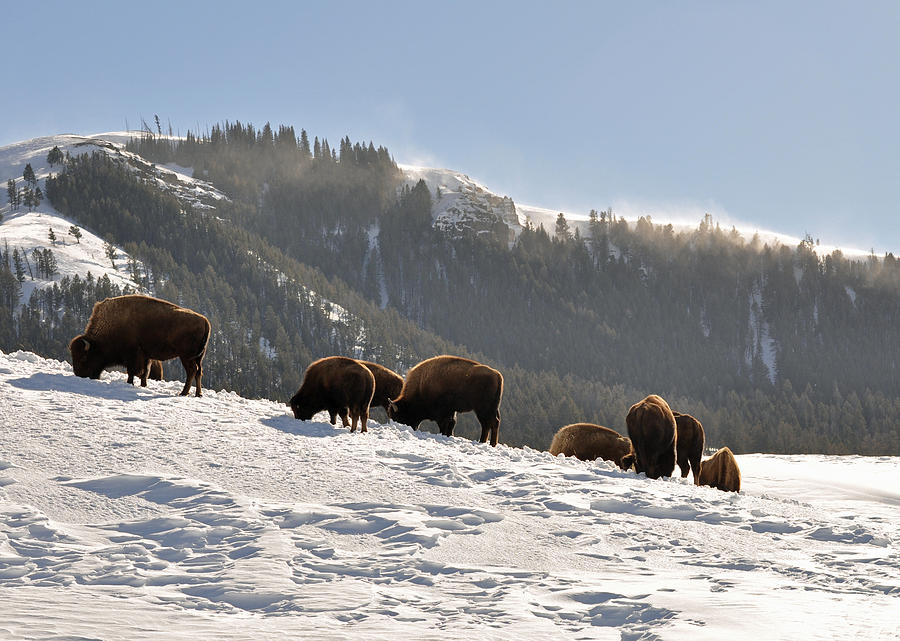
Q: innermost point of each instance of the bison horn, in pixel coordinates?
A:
(87, 345)
(393, 406)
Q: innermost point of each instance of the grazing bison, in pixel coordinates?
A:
(439, 387)
(689, 449)
(721, 471)
(589, 442)
(131, 330)
(338, 384)
(388, 384)
(652, 429)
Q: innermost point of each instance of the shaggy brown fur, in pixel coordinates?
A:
(689, 450)
(721, 471)
(589, 442)
(131, 330)
(651, 427)
(338, 384)
(437, 388)
(388, 384)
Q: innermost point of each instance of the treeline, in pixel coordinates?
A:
(774, 348)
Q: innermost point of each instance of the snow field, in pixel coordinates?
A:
(126, 512)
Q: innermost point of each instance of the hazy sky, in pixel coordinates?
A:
(779, 114)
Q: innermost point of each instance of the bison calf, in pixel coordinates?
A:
(339, 385)
(132, 330)
(437, 388)
(589, 442)
(721, 471)
(652, 429)
(388, 384)
(689, 449)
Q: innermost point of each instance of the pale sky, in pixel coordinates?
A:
(782, 115)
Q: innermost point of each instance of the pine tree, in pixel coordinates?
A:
(12, 194)
(563, 233)
(52, 236)
(304, 144)
(75, 233)
(29, 176)
(55, 157)
(18, 267)
(109, 251)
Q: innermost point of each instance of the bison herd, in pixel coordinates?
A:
(138, 332)
(658, 438)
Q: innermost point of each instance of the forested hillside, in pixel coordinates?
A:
(321, 251)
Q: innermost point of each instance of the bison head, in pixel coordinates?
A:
(662, 465)
(302, 408)
(86, 362)
(400, 412)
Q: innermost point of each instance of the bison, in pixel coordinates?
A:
(653, 433)
(588, 442)
(721, 471)
(689, 449)
(339, 385)
(132, 330)
(388, 384)
(439, 387)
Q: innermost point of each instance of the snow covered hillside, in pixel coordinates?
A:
(28, 229)
(130, 513)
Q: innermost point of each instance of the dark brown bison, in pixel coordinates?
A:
(131, 330)
(721, 471)
(652, 429)
(339, 385)
(437, 388)
(388, 384)
(691, 439)
(589, 442)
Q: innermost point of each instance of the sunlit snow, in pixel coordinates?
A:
(132, 513)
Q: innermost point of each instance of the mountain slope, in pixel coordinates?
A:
(296, 254)
(128, 512)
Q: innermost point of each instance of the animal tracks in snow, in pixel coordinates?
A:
(225, 517)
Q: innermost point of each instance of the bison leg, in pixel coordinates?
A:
(333, 416)
(138, 367)
(343, 413)
(447, 424)
(695, 468)
(364, 419)
(199, 374)
(360, 417)
(685, 467)
(490, 425)
(190, 369)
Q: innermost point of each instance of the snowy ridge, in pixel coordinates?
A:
(128, 512)
(462, 205)
(467, 205)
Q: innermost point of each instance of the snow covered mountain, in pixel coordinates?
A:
(131, 513)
